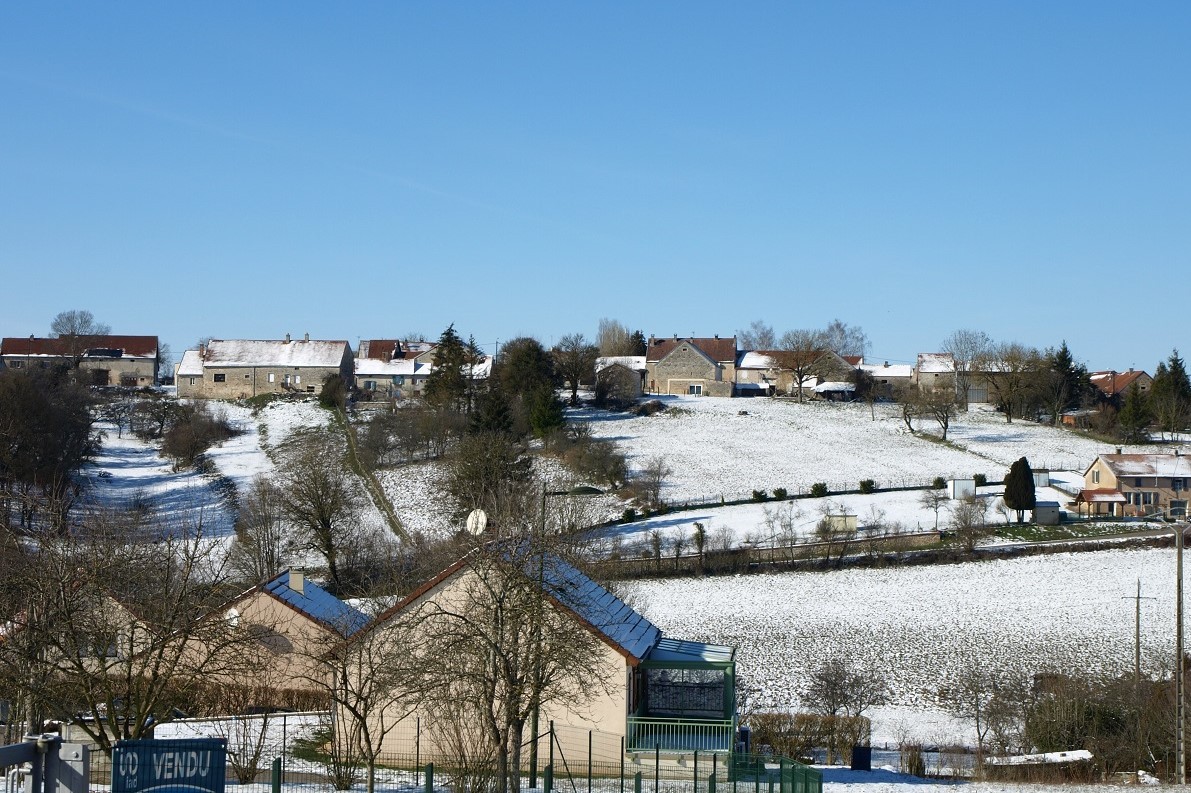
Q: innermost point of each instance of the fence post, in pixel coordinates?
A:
(547, 779)
(622, 764)
(33, 783)
(657, 767)
(696, 761)
(428, 781)
(711, 783)
(589, 761)
(276, 776)
(637, 782)
(418, 742)
(67, 768)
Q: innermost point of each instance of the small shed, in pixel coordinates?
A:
(1047, 513)
(841, 522)
(1041, 478)
(959, 489)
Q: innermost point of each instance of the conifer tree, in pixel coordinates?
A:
(446, 385)
(1170, 395)
(1134, 419)
(1019, 488)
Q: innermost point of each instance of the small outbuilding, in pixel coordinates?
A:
(1047, 513)
(959, 489)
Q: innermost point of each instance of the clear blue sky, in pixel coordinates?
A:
(241, 170)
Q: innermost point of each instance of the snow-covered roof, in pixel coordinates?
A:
(191, 364)
(935, 363)
(755, 359)
(317, 603)
(481, 370)
(1177, 465)
(613, 619)
(1101, 496)
(104, 346)
(823, 388)
(1044, 758)
(634, 362)
(267, 352)
(888, 369)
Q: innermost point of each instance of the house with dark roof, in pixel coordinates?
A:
(1136, 485)
(693, 366)
(129, 361)
(655, 692)
(243, 368)
(295, 621)
(1112, 384)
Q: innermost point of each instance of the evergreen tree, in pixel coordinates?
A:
(491, 414)
(640, 345)
(1019, 488)
(447, 383)
(1170, 395)
(1134, 418)
(545, 412)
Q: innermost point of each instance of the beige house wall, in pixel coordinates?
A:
(141, 370)
(243, 382)
(1161, 491)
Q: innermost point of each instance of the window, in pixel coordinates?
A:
(247, 377)
(192, 381)
(369, 385)
(309, 389)
(398, 379)
(1176, 485)
(221, 378)
(297, 378)
(17, 364)
(1095, 477)
(1178, 509)
(272, 377)
(695, 389)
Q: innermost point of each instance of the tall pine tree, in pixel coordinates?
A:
(1134, 418)
(1019, 488)
(447, 383)
(1170, 395)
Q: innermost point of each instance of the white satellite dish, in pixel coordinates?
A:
(477, 522)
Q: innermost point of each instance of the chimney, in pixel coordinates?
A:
(287, 338)
(297, 581)
(305, 337)
(887, 364)
(717, 335)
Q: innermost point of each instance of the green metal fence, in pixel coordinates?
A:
(669, 735)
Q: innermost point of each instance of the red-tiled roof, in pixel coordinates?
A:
(717, 349)
(1112, 383)
(380, 349)
(69, 346)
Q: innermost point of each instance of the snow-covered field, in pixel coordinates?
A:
(922, 626)
(714, 450)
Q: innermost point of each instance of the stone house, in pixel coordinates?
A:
(622, 376)
(693, 366)
(1136, 485)
(391, 368)
(243, 368)
(889, 378)
(653, 691)
(1112, 384)
(129, 361)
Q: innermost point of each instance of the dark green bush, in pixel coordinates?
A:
(780, 493)
(760, 495)
(981, 480)
(818, 490)
(939, 483)
(628, 516)
(867, 486)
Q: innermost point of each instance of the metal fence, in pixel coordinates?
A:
(43, 764)
(635, 772)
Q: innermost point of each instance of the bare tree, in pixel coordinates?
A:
(613, 338)
(652, 478)
(844, 339)
(798, 352)
(321, 500)
(77, 322)
(499, 648)
(261, 549)
(940, 406)
(969, 521)
(759, 336)
(1012, 371)
(122, 633)
(934, 499)
(967, 347)
(841, 688)
(575, 359)
(990, 700)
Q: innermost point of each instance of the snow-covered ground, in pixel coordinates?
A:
(129, 472)
(716, 451)
(923, 626)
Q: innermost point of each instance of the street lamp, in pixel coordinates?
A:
(579, 490)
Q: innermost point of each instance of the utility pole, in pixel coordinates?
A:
(1180, 759)
(1137, 663)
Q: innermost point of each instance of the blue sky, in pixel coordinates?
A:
(243, 170)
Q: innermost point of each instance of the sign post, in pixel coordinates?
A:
(197, 765)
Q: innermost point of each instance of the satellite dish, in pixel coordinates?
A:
(477, 522)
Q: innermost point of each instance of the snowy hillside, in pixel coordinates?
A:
(923, 625)
(714, 450)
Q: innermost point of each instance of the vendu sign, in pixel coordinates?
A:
(175, 766)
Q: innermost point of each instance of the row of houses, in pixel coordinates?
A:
(714, 366)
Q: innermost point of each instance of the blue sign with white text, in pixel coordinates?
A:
(188, 765)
